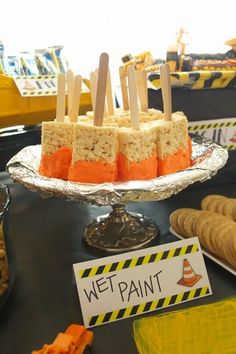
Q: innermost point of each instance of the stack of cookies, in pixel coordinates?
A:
(214, 225)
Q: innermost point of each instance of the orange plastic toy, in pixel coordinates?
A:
(75, 340)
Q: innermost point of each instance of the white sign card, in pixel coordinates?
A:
(37, 85)
(221, 131)
(129, 284)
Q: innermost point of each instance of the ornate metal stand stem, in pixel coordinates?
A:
(120, 231)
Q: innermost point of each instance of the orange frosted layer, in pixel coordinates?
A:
(130, 170)
(92, 172)
(174, 162)
(56, 165)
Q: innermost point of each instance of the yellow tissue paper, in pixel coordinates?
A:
(206, 329)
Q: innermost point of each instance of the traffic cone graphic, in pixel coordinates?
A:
(189, 276)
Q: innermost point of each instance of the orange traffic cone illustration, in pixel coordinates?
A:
(189, 276)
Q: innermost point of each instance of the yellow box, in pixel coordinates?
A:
(18, 110)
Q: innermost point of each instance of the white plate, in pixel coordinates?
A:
(209, 255)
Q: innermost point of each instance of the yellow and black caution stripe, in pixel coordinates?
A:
(35, 77)
(39, 93)
(134, 262)
(215, 125)
(230, 147)
(148, 306)
(198, 79)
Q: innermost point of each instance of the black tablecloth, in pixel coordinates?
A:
(46, 236)
(198, 104)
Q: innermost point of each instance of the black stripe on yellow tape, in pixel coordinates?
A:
(39, 93)
(230, 147)
(212, 126)
(148, 306)
(214, 75)
(35, 77)
(134, 262)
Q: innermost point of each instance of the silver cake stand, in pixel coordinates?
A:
(120, 230)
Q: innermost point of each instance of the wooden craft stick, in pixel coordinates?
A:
(166, 90)
(142, 88)
(145, 88)
(76, 98)
(61, 89)
(124, 90)
(133, 97)
(70, 85)
(93, 87)
(101, 89)
(105, 105)
(109, 98)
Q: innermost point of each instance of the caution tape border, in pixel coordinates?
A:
(138, 261)
(148, 306)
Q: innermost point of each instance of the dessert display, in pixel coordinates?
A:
(214, 225)
(133, 144)
(75, 340)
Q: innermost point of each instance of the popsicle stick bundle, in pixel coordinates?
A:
(107, 144)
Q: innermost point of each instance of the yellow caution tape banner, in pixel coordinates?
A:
(196, 80)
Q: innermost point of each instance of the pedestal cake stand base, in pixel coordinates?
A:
(120, 231)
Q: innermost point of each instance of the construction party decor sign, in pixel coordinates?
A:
(221, 131)
(129, 284)
(37, 85)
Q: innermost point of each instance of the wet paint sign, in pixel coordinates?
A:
(129, 284)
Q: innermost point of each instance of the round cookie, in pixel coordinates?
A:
(215, 204)
(231, 247)
(228, 208)
(220, 206)
(222, 238)
(206, 200)
(210, 231)
(174, 219)
(207, 219)
(214, 236)
(181, 218)
(230, 231)
(234, 213)
(199, 219)
(189, 223)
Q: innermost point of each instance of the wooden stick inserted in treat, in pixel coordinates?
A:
(133, 97)
(76, 98)
(93, 87)
(166, 90)
(101, 89)
(110, 106)
(124, 90)
(105, 104)
(142, 89)
(61, 90)
(70, 77)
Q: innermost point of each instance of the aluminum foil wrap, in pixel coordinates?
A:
(208, 158)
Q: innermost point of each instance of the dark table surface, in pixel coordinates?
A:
(46, 238)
